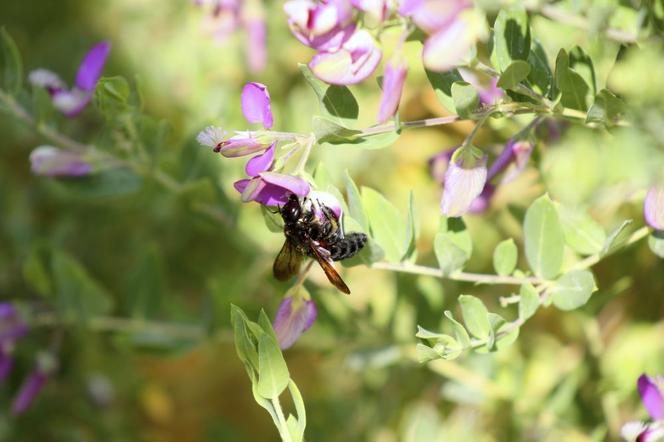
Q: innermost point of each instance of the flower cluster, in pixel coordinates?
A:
(467, 184)
(651, 391)
(224, 18)
(72, 101)
(263, 185)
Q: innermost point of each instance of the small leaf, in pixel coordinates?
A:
(298, 402)
(245, 344)
(329, 131)
(656, 243)
(505, 332)
(540, 72)
(273, 376)
(460, 332)
(616, 238)
(442, 85)
(573, 289)
(111, 96)
(514, 74)
(582, 233)
(452, 245)
(465, 98)
(425, 353)
(412, 231)
(529, 301)
(355, 208)
(266, 324)
(607, 108)
(11, 66)
(475, 316)
(387, 226)
(504, 257)
(570, 84)
(511, 37)
(36, 274)
(543, 237)
(423, 333)
(583, 65)
(337, 102)
(78, 295)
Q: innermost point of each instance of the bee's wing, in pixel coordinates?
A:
(287, 262)
(329, 269)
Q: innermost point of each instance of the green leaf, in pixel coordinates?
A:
(412, 231)
(505, 333)
(511, 37)
(442, 85)
(544, 241)
(540, 74)
(656, 243)
(573, 289)
(331, 132)
(425, 353)
(582, 233)
(337, 102)
(103, 184)
(145, 287)
(298, 403)
(514, 74)
(460, 332)
(11, 66)
(504, 257)
(529, 301)
(583, 65)
(111, 96)
(273, 376)
(616, 238)
(35, 272)
(387, 226)
(245, 344)
(355, 208)
(465, 98)
(475, 316)
(572, 87)
(607, 108)
(423, 333)
(78, 295)
(452, 245)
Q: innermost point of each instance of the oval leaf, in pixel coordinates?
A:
(504, 257)
(573, 289)
(544, 241)
(273, 376)
(475, 316)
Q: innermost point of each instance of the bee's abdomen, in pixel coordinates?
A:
(347, 246)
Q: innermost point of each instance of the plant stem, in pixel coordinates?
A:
(283, 426)
(471, 136)
(479, 278)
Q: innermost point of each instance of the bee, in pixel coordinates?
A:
(313, 230)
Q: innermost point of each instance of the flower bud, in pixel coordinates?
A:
(653, 207)
(393, 80)
(464, 181)
(51, 161)
(296, 314)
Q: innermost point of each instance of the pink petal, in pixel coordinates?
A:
(445, 49)
(256, 104)
(393, 80)
(291, 183)
(92, 65)
(653, 207)
(240, 145)
(462, 186)
(260, 163)
(651, 396)
(294, 317)
(256, 44)
(435, 15)
(353, 63)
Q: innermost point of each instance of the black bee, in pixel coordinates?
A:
(308, 235)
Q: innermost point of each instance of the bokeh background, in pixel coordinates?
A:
(161, 366)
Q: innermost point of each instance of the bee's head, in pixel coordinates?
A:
(292, 210)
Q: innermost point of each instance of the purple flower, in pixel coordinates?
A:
(51, 161)
(256, 42)
(29, 391)
(438, 164)
(375, 11)
(12, 328)
(464, 181)
(321, 26)
(433, 15)
(72, 101)
(653, 207)
(294, 316)
(256, 106)
(271, 188)
(357, 58)
(652, 395)
(260, 163)
(393, 80)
